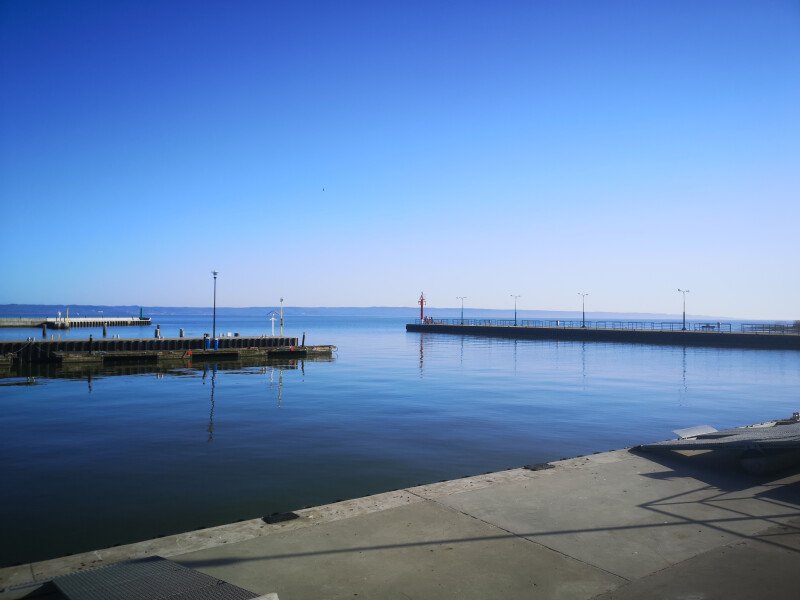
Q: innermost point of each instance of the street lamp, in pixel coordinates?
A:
(583, 308)
(515, 308)
(214, 313)
(684, 292)
(462, 298)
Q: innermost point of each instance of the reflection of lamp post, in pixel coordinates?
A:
(214, 318)
(462, 298)
(210, 428)
(684, 292)
(583, 308)
(515, 308)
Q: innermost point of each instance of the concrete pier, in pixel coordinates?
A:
(68, 323)
(617, 525)
(628, 336)
(55, 350)
(101, 322)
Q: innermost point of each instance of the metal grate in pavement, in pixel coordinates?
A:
(777, 437)
(152, 578)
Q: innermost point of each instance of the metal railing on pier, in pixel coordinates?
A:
(631, 325)
(698, 326)
(771, 328)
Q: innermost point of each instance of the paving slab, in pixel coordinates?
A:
(632, 516)
(420, 551)
(765, 566)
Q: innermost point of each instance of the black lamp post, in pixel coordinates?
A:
(462, 298)
(214, 318)
(583, 308)
(684, 292)
(515, 308)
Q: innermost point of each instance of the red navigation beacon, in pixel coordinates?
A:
(421, 303)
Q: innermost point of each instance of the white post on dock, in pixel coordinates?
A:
(281, 317)
(214, 318)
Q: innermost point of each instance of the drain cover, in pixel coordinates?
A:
(152, 578)
(280, 517)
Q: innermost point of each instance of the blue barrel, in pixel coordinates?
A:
(206, 343)
(216, 344)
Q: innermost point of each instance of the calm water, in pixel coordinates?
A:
(96, 459)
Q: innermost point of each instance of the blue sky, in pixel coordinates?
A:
(356, 153)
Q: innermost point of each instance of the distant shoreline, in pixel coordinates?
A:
(410, 312)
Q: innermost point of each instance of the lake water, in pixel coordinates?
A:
(94, 459)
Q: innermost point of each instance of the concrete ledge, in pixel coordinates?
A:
(34, 574)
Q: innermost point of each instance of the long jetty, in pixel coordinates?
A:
(157, 349)
(719, 335)
(67, 323)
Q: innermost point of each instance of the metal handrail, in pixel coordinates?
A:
(693, 326)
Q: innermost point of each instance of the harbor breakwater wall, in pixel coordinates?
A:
(673, 338)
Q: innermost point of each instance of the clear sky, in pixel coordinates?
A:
(356, 153)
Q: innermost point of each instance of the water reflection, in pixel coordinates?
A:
(685, 389)
(90, 372)
(271, 384)
(421, 353)
(583, 365)
(515, 356)
(210, 428)
(11, 380)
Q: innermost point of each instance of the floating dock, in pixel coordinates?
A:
(154, 350)
(709, 337)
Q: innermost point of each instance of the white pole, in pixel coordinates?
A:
(281, 317)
